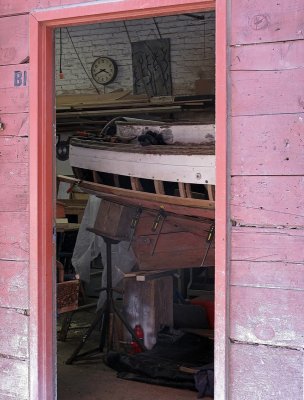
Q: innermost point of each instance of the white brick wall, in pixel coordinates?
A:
(192, 51)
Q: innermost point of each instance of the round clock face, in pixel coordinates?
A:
(104, 70)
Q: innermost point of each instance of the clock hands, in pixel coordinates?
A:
(102, 70)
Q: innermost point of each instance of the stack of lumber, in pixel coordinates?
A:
(91, 112)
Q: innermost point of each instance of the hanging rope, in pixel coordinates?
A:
(92, 82)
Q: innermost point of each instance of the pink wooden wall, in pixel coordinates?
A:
(267, 191)
(267, 199)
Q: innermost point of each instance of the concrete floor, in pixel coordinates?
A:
(94, 380)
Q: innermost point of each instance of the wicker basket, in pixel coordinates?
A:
(67, 292)
(67, 296)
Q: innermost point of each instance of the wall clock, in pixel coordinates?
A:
(104, 70)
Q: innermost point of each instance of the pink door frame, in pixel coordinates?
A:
(42, 362)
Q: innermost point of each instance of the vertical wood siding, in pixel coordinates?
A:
(267, 165)
(14, 251)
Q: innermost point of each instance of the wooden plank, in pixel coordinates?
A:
(265, 372)
(268, 200)
(190, 168)
(14, 88)
(172, 251)
(136, 184)
(14, 236)
(267, 56)
(210, 190)
(13, 333)
(256, 21)
(15, 124)
(14, 284)
(14, 47)
(164, 199)
(254, 138)
(14, 378)
(267, 274)
(14, 178)
(159, 187)
(264, 244)
(13, 149)
(267, 316)
(188, 190)
(182, 189)
(266, 92)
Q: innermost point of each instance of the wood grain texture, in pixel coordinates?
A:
(13, 149)
(256, 21)
(14, 178)
(14, 99)
(264, 372)
(14, 47)
(15, 124)
(267, 316)
(267, 274)
(264, 244)
(14, 284)
(266, 92)
(267, 145)
(268, 56)
(13, 333)
(14, 236)
(14, 377)
(268, 200)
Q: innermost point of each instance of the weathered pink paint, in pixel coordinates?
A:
(14, 285)
(13, 341)
(267, 92)
(257, 21)
(14, 99)
(267, 316)
(267, 145)
(265, 372)
(14, 379)
(11, 52)
(14, 234)
(265, 120)
(268, 200)
(267, 274)
(267, 245)
(267, 56)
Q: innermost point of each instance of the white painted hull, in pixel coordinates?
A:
(187, 168)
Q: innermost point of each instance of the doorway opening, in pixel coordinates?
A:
(162, 191)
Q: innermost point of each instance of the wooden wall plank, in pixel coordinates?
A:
(267, 274)
(14, 88)
(13, 149)
(261, 244)
(267, 92)
(14, 40)
(267, 316)
(268, 56)
(14, 284)
(9, 7)
(14, 378)
(256, 21)
(268, 200)
(15, 124)
(14, 180)
(265, 372)
(267, 145)
(14, 243)
(13, 333)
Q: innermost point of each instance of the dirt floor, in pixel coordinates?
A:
(92, 380)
